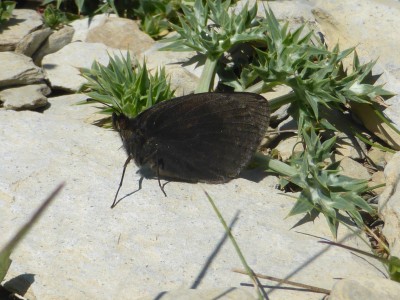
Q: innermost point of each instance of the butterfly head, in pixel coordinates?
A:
(127, 129)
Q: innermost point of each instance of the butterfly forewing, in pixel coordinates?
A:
(205, 137)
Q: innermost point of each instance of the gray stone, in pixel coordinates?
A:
(55, 42)
(184, 78)
(351, 168)
(155, 58)
(378, 157)
(287, 147)
(120, 33)
(282, 112)
(371, 288)
(148, 242)
(377, 178)
(25, 97)
(203, 294)
(31, 42)
(296, 12)
(350, 146)
(82, 26)
(389, 204)
(62, 67)
(23, 22)
(353, 23)
(18, 69)
(182, 81)
(288, 125)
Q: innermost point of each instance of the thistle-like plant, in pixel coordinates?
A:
(211, 30)
(124, 88)
(54, 17)
(324, 189)
(155, 16)
(78, 3)
(316, 75)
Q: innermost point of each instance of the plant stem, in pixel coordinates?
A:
(277, 102)
(207, 76)
(228, 231)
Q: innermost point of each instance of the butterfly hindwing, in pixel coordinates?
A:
(208, 137)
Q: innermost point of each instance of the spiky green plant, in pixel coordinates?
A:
(6, 9)
(124, 88)
(316, 75)
(324, 189)
(208, 28)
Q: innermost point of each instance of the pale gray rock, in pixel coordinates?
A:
(351, 168)
(203, 294)
(288, 125)
(287, 147)
(354, 23)
(371, 288)
(377, 178)
(55, 42)
(281, 113)
(23, 22)
(148, 242)
(389, 204)
(82, 26)
(18, 69)
(181, 80)
(183, 72)
(120, 33)
(296, 12)
(350, 146)
(31, 42)
(62, 67)
(378, 158)
(25, 97)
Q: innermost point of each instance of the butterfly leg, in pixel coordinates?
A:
(122, 179)
(160, 162)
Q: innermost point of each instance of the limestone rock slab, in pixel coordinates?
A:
(365, 288)
(31, 42)
(25, 97)
(82, 26)
(354, 23)
(120, 33)
(62, 67)
(389, 204)
(55, 42)
(18, 69)
(148, 242)
(204, 294)
(351, 168)
(23, 22)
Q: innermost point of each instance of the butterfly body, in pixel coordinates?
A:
(208, 137)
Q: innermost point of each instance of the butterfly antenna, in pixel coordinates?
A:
(122, 179)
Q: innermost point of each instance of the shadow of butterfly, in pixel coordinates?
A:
(207, 137)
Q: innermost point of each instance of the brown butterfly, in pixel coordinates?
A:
(207, 137)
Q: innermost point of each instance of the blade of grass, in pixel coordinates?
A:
(288, 282)
(249, 271)
(5, 253)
